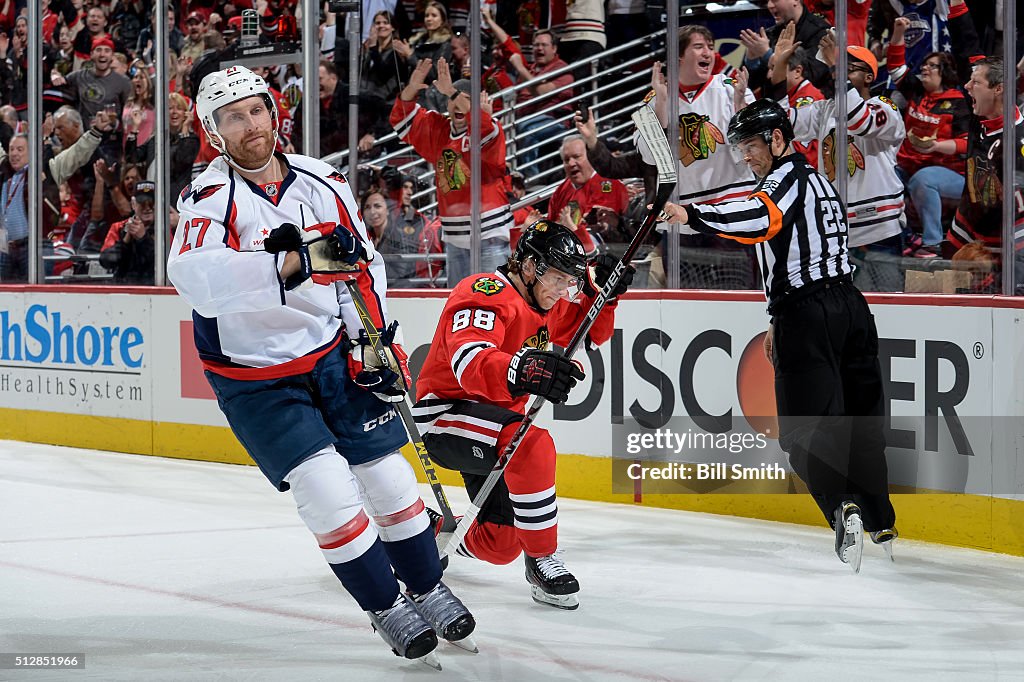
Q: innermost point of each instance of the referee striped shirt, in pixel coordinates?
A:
(795, 218)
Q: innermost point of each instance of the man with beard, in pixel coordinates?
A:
(286, 354)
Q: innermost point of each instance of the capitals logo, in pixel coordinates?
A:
(199, 193)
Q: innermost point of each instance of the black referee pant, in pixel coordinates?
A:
(828, 387)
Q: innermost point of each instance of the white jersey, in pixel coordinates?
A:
(709, 170)
(874, 195)
(246, 325)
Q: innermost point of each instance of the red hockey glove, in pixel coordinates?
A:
(389, 381)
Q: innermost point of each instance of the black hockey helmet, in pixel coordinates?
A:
(760, 118)
(551, 245)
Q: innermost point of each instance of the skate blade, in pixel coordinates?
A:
(467, 643)
(431, 659)
(569, 602)
(853, 554)
(887, 546)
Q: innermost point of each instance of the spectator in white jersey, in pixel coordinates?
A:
(822, 339)
(287, 355)
(874, 190)
(709, 170)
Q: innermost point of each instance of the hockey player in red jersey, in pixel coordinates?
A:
(490, 351)
(281, 345)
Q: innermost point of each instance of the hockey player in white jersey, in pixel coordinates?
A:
(281, 345)
(875, 205)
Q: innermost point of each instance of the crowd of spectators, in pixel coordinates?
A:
(100, 120)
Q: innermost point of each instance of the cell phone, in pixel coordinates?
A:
(584, 112)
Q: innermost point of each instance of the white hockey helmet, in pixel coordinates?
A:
(225, 87)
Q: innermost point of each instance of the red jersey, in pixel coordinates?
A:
(942, 115)
(433, 138)
(597, 191)
(801, 96)
(484, 323)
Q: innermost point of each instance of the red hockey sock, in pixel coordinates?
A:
(530, 477)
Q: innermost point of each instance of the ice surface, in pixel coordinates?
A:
(162, 569)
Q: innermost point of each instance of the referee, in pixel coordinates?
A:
(822, 338)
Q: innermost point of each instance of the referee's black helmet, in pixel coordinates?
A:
(760, 118)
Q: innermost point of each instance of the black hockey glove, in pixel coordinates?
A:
(543, 373)
(598, 272)
(327, 253)
(388, 382)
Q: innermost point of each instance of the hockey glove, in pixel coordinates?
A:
(327, 253)
(390, 381)
(598, 272)
(543, 373)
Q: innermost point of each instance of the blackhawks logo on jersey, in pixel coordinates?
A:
(854, 159)
(886, 100)
(488, 286)
(698, 138)
(983, 184)
(451, 172)
(576, 211)
(540, 340)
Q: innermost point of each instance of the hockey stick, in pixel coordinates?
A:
(648, 126)
(448, 521)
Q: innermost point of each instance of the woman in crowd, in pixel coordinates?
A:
(385, 68)
(139, 117)
(184, 145)
(931, 159)
(433, 42)
(395, 233)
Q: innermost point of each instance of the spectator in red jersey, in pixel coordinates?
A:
(583, 191)
(444, 142)
(496, 76)
(856, 17)
(931, 160)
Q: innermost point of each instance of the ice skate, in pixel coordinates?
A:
(849, 535)
(448, 616)
(885, 538)
(405, 630)
(552, 583)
